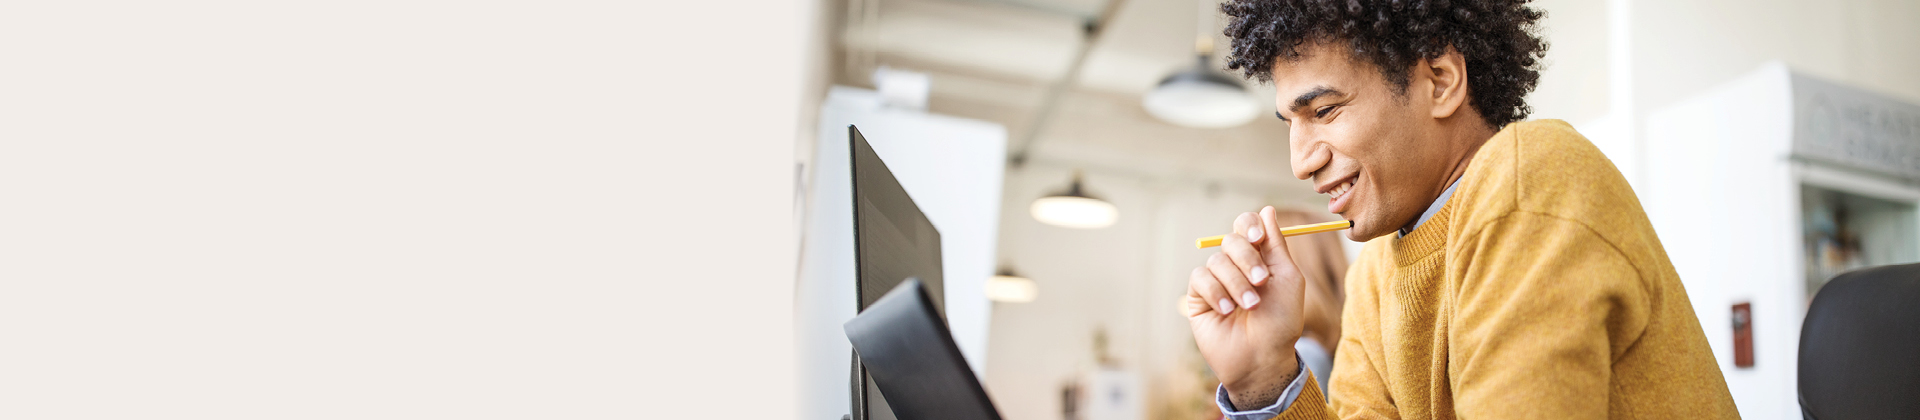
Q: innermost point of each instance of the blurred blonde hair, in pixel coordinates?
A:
(1324, 263)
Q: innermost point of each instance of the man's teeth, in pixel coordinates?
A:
(1341, 189)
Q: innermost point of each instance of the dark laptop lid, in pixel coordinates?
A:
(911, 356)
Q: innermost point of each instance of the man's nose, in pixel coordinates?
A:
(1306, 155)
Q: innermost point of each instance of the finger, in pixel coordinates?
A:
(1192, 306)
(1204, 286)
(1249, 224)
(1278, 258)
(1273, 250)
(1230, 278)
(1245, 257)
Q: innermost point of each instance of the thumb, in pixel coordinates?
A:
(1275, 249)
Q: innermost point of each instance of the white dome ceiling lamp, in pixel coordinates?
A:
(1201, 97)
(1074, 208)
(1006, 286)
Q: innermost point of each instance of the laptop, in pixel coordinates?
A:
(893, 241)
(908, 351)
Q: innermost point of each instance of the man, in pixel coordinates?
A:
(1509, 271)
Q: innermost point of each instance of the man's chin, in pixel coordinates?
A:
(1361, 232)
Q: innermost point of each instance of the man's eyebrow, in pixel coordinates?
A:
(1307, 98)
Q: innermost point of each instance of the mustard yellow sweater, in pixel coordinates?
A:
(1537, 291)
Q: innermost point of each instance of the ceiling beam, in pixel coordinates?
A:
(1090, 36)
(1042, 7)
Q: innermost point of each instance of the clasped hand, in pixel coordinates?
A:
(1245, 307)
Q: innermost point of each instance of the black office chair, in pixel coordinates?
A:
(1860, 346)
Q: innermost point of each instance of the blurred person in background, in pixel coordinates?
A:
(1509, 271)
(1324, 265)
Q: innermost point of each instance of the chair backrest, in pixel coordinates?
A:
(1860, 346)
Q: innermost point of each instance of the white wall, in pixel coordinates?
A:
(1613, 62)
(1685, 47)
(1661, 51)
(396, 209)
(1573, 82)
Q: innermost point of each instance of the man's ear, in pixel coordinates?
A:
(1448, 73)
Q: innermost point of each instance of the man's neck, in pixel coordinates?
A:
(1466, 139)
(1468, 144)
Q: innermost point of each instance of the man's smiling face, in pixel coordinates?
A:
(1372, 148)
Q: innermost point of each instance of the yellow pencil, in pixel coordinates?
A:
(1213, 241)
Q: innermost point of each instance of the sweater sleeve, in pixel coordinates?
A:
(1542, 308)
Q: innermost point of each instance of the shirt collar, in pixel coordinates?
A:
(1431, 209)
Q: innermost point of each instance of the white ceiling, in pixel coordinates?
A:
(1035, 39)
(994, 60)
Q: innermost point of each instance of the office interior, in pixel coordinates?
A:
(1774, 144)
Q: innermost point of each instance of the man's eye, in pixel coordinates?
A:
(1322, 113)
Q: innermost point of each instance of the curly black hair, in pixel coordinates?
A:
(1496, 37)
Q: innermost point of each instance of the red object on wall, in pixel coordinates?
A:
(1743, 335)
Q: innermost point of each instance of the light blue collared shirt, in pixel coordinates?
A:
(1431, 209)
(1300, 378)
(1271, 411)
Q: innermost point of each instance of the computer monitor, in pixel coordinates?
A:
(893, 241)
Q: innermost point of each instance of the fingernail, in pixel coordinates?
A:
(1259, 275)
(1254, 233)
(1226, 306)
(1250, 298)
